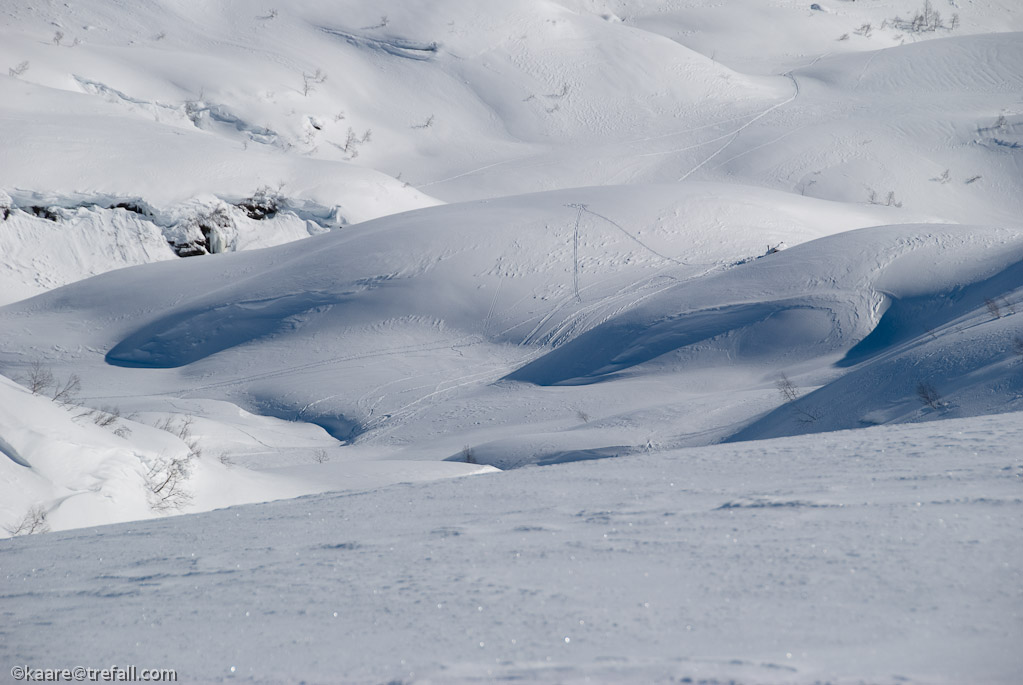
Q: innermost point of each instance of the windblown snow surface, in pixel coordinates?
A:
(567, 341)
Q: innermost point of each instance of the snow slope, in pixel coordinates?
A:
(884, 555)
(178, 108)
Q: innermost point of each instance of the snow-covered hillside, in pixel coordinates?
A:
(254, 252)
(882, 555)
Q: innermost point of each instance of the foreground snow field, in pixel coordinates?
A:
(598, 341)
(882, 555)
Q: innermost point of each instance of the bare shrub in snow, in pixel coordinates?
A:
(57, 37)
(993, 308)
(790, 393)
(353, 141)
(34, 521)
(65, 393)
(944, 178)
(105, 417)
(468, 456)
(18, 70)
(383, 22)
(310, 81)
(41, 381)
(165, 481)
(582, 416)
(925, 20)
(321, 456)
(929, 395)
(888, 201)
(166, 477)
(426, 124)
(38, 380)
(787, 388)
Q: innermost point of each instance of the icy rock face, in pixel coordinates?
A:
(209, 229)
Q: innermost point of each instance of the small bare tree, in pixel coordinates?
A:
(165, 480)
(166, 477)
(321, 456)
(39, 378)
(929, 395)
(34, 521)
(310, 81)
(993, 308)
(790, 394)
(65, 393)
(18, 70)
(426, 124)
(468, 456)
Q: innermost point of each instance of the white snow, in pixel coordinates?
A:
(728, 293)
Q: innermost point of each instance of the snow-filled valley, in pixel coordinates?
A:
(563, 341)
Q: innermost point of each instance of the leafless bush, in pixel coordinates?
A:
(165, 480)
(790, 393)
(18, 70)
(383, 22)
(34, 521)
(889, 200)
(929, 395)
(787, 388)
(310, 81)
(468, 456)
(166, 477)
(944, 178)
(105, 417)
(57, 37)
(582, 416)
(353, 141)
(321, 456)
(993, 308)
(426, 124)
(38, 380)
(65, 393)
(924, 20)
(41, 381)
